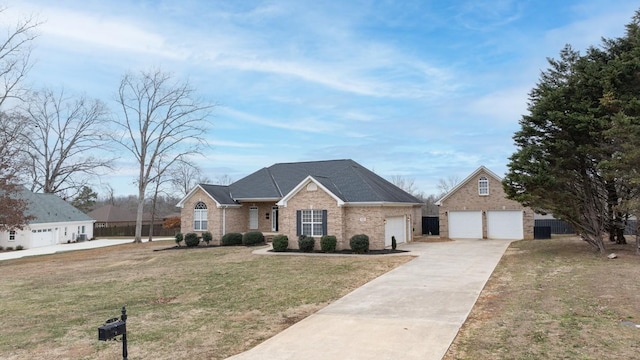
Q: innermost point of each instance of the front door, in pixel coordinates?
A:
(274, 218)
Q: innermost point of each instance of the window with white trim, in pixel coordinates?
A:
(200, 216)
(312, 222)
(483, 185)
(12, 235)
(253, 218)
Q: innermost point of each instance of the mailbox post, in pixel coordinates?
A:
(114, 327)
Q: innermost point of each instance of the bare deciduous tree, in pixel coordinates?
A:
(446, 185)
(62, 141)
(12, 209)
(405, 184)
(185, 176)
(15, 53)
(223, 179)
(161, 119)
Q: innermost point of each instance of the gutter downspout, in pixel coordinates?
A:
(224, 220)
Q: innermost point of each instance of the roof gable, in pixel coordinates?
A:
(303, 184)
(472, 176)
(218, 193)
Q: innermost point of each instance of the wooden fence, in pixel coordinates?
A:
(130, 230)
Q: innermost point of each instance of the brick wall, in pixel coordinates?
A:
(467, 198)
(345, 221)
(311, 199)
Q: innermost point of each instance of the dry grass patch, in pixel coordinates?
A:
(193, 304)
(555, 299)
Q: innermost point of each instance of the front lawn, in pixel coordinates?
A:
(556, 299)
(201, 304)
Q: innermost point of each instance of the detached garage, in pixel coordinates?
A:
(477, 208)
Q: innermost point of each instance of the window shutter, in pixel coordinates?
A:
(324, 222)
(298, 222)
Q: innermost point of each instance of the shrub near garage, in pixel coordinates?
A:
(328, 243)
(306, 243)
(191, 240)
(359, 243)
(230, 239)
(252, 238)
(280, 243)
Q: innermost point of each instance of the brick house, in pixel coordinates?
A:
(478, 208)
(334, 197)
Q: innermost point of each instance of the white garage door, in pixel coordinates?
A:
(395, 226)
(505, 224)
(465, 224)
(41, 237)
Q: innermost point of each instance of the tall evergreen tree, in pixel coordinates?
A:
(566, 146)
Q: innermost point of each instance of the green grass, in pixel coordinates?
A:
(197, 304)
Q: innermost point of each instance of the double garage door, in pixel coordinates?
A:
(501, 224)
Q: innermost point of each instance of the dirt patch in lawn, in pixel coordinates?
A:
(204, 304)
(556, 299)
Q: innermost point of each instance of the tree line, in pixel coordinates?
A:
(55, 142)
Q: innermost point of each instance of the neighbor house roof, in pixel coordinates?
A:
(481, 169)
(346, 179)
(49, 208)
(111, 214)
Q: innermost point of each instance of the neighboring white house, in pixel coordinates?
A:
(55, 222)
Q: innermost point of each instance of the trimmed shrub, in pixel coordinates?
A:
(207, 237)
(19, 247)
(1, 248)
(9, 248)
(179, 238)
(393, 243)
(280, 243)
(230, 239)
(252, 238)
(359, 243)
(328, 243)
(191, 240)
(306, 243)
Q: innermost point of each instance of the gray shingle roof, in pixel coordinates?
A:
(220, 193)
(49, 208)
(346, 179)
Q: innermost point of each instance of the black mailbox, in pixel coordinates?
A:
(110, 330)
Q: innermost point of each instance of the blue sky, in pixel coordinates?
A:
(422, 89)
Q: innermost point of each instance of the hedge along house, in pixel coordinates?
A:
(477, 208)
(334, 197)
(54, 221)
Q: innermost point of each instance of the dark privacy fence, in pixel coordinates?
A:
(130, 230)
(430, 225)
(561, 227)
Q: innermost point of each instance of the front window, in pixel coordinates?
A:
(253, 218)
(12, 235)
(312, 222)
(483, 186)
(200, 216)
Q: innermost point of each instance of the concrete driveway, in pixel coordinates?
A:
(45, 250)
(411, 312)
